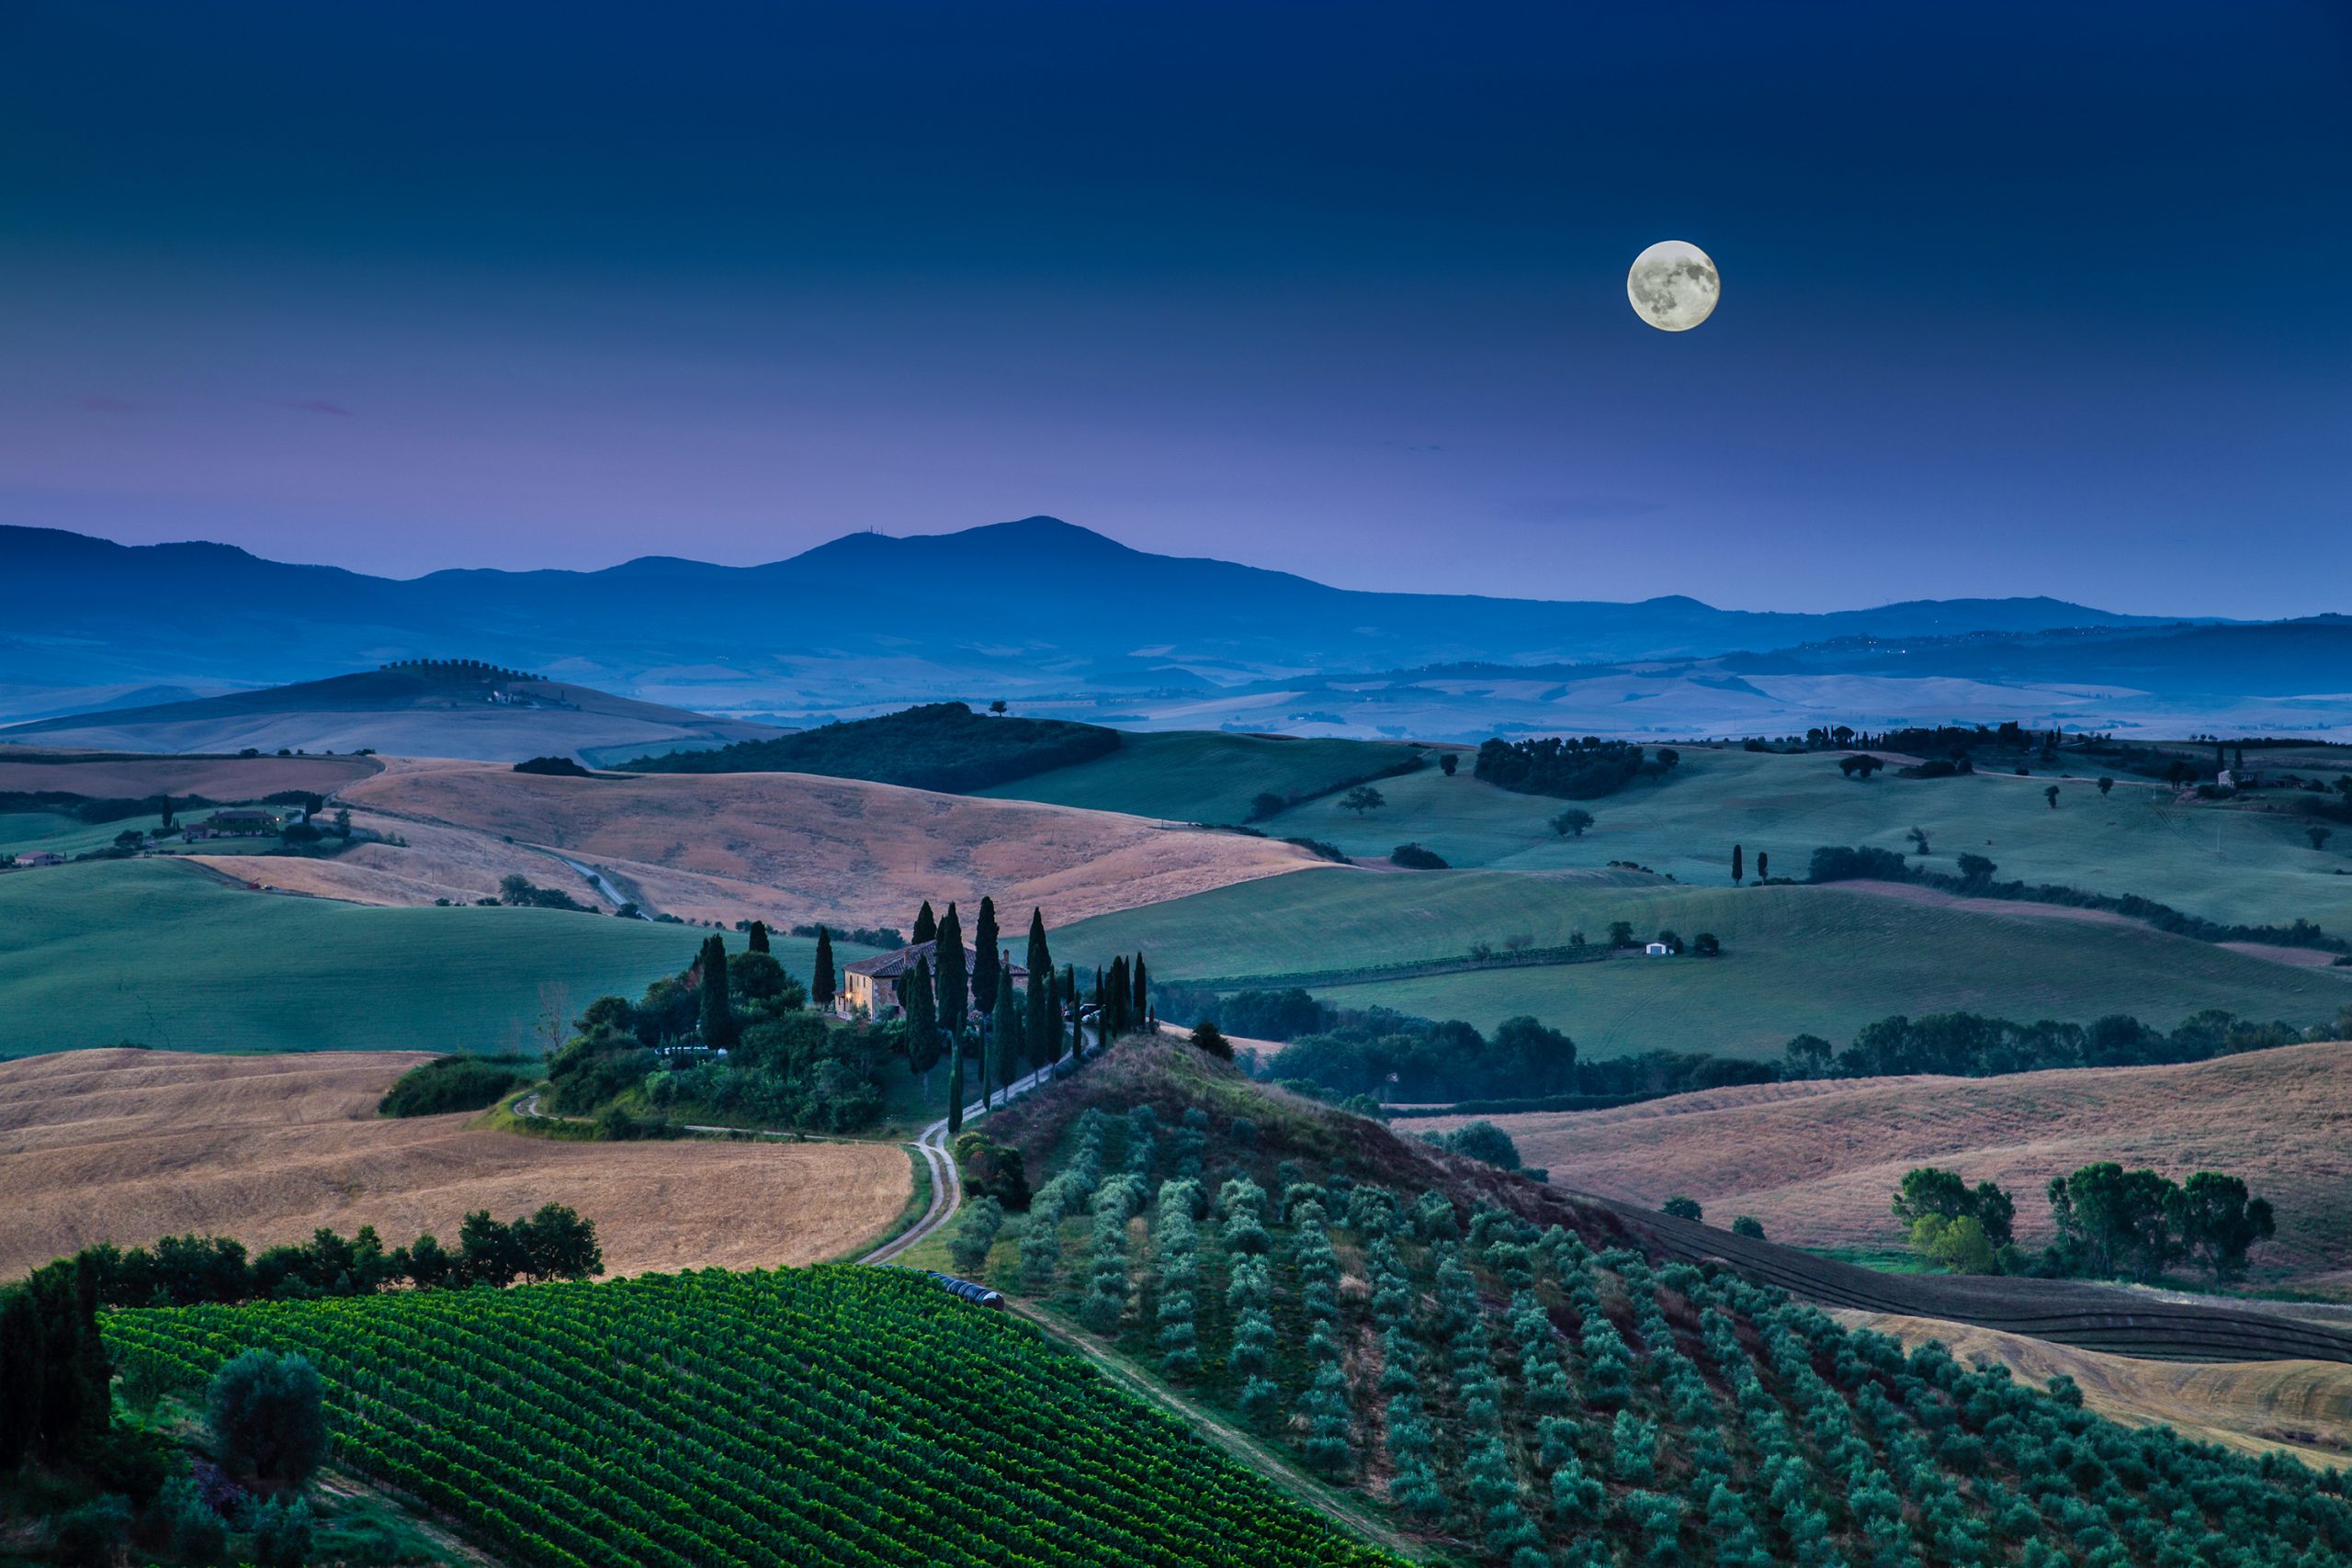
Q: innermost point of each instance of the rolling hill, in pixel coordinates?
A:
(129, 1145)
(446, 708)
(988, 613)
(1819, 960)
(1818, 1162)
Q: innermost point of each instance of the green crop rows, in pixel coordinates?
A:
(838, 1414)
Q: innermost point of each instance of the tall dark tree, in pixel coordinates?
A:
(922, 1022)
(1115, 1002)
(20, 1378)
(1141, 986)
(717, 1017)
(1004, 1029)
(926, 924)
(1739, 862)
(167, 813)
(756, 939)
(1042, 1020)
(1762, 860)
(820, 982)
(1041, 958)
(949, 976)
(1102, 1009)
(985, 967)
(956, 1083)
(1077, 1013)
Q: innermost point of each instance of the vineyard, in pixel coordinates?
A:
(837, 1414)
(1520, 1398)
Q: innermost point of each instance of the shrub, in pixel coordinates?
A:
(451, 1083)
(1684, 1208)
(1749, 1226)
(1413, 857)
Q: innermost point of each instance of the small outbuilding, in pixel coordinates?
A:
(1658, 950)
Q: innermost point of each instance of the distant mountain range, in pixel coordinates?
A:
(1062, 620)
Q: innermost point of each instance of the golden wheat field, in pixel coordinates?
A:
(127, 1145)
(2304, 1407)
(788, 847)
(1817, 1163)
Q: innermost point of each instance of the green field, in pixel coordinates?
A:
(159, 953)
(1201, 775)
(1822, 960)
(2135, 841)
(840, 1415)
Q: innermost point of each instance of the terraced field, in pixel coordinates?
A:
(1824, 960)
(1205, 775)
(2221, 861)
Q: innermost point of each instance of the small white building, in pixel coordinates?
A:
(1658, 950)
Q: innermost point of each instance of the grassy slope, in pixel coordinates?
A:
(1202, 776)
(94, 954)
(1790, 805)
(1820, 959)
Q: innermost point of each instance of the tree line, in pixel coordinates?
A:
(1568, 767)
(2111, 1224)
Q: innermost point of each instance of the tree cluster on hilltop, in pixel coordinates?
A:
(938, 746)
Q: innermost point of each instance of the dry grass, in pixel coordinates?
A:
(1818, 1162)
(788, 847)
(434, 863)
(129, 1145)
(2304, 1407)
(217, 778)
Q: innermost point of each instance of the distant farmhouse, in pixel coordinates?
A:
(237, 822)
(873, 983)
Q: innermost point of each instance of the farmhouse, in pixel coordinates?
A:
(873, 983)
(237, 822)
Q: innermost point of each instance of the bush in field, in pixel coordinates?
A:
(266, 1418)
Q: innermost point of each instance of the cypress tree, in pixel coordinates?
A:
(1763, 859)
(985, 968)
(1077, 1019)
(1102, 1009)
(1006, 1030)
(922, 1022)
(926, 927)
(1738, 867)
(1142, 1009)
(718, 1016)
(948, 976)
(1043, 1020)
(820, 982)
(1041, 960)
(1114, 1002)
(756, 940)
(956, 1084)
(20, 1379)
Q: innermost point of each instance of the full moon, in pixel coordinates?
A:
(1673, 285)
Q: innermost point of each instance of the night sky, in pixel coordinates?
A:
(2016, 299)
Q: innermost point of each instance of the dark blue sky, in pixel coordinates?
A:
(2016, 299)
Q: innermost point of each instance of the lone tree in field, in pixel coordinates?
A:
(1919, 837)
(1762, 860)
(1363, 799)
(820, 984)
(1862, 765)
(1572, 822)
(267, 1415)
(1447, 762)
(1211, 1039)
(1684, 1208)
(985, 969)
(926, 925)
(756, 939)
(718, 1018)
(922, 1022)
(2050, 793)
(1739, 862)
(2104, 785)
(947, 975)
(1265, 804)
(2318, 835)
